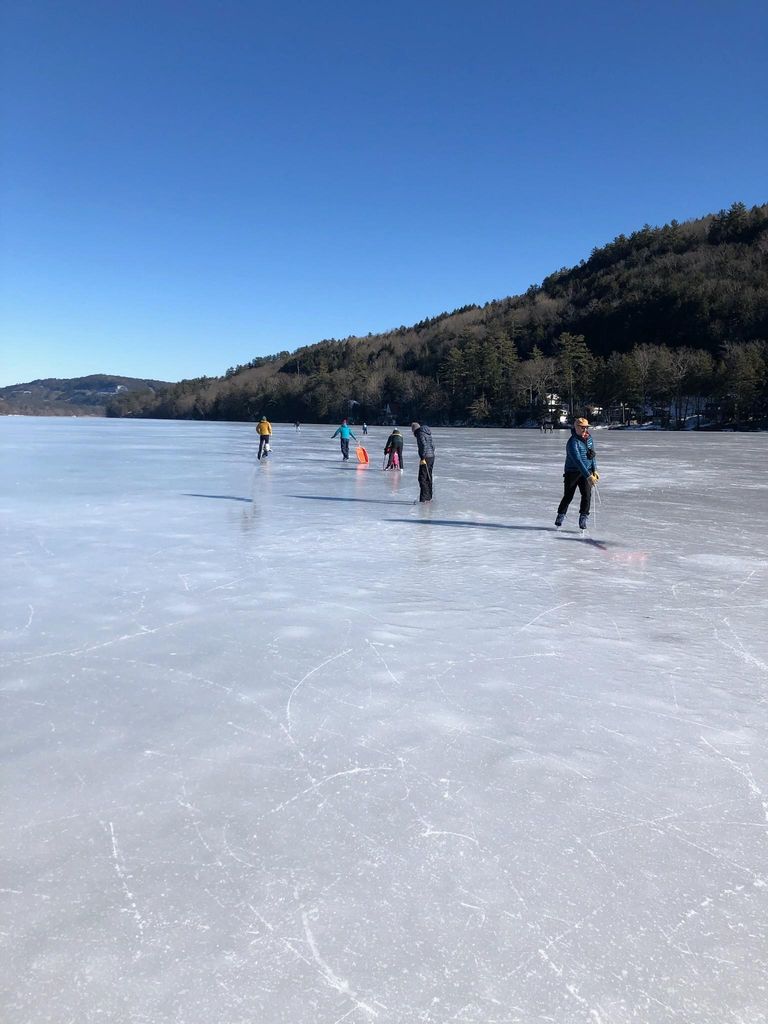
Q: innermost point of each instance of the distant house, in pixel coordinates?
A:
(557, 414)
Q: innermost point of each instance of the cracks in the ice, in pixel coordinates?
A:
(543, 953)
(305, 677)
(194, 816)
(123, 879)
(230, 852)
(477, 910)
(571, 988)
(25, 893)
(429, 831)
(745, 773)
(634, 709)
(663, 825)
(375, 648)
(744, 655)
(317, 961)
(321, 782)
(547, 611)
(744, 582)
(694, 915)
(329, 975)
(759, 880)
(90, 648)
(633, 821)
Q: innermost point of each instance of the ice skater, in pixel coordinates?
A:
(580, 471)
(426, 447)
(264, 430)
(344, 432)
(394, 449)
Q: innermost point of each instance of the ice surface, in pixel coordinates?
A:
(280, 745)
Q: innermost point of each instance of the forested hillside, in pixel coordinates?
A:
(672, 318)
(75, 396)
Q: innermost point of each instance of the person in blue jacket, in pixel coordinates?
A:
(344, 432)
(580, 471)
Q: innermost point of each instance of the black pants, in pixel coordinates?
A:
(571, 481)
(263, 442)
(425, 478)
(345, 447)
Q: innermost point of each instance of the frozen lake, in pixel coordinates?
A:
(281, 747)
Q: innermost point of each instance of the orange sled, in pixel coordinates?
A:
(362, 455)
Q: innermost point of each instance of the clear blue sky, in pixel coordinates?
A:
(186, 185)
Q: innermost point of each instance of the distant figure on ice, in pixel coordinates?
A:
(264, 430)
(394, 447)
(580, 471)
(297, 425)
(365, 428)
(426, 446)
(344, 432)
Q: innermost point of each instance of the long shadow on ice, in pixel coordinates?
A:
(220, 497)
(366, 501)
(467, 522)
(501, 526)
(585, 540)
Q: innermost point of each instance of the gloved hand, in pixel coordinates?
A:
(596, 475)
(593, 479)
(422, 462)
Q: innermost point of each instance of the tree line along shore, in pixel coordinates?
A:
(668, 324)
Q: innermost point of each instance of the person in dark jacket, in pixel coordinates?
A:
(426, 446)
(580, 471)
(394, 446)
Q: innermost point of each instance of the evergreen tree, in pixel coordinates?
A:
(575, 368)
(480, 410)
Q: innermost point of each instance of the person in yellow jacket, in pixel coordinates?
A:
(264, 430)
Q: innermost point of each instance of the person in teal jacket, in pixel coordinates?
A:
(580, 471)
(344, 432)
